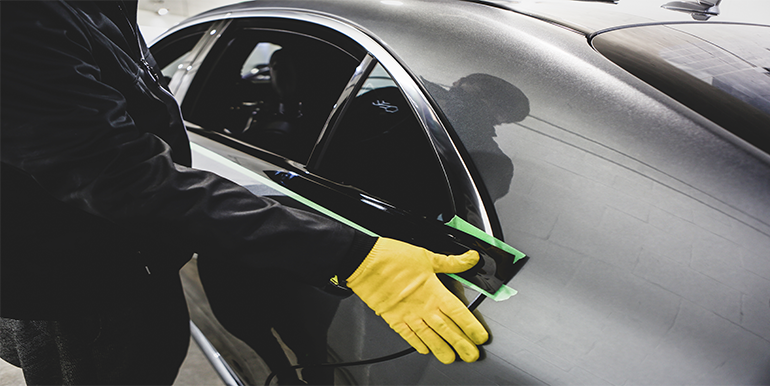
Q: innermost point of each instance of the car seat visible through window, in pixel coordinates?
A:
(280, 106)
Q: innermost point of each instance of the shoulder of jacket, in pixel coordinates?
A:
(27, 17)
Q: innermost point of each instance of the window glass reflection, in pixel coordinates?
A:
(272, 89)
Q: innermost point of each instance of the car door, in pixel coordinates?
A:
(297, 111)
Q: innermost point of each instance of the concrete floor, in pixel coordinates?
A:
(196, 371)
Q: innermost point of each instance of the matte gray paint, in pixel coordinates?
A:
(648, 226)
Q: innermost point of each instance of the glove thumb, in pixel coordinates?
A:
(454, 263)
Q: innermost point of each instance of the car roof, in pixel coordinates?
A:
(593, 16)
(585, 16)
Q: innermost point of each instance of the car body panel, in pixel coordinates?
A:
(648, 225)
(592, 16)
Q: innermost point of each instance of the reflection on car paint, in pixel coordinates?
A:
(648, 225)
(477, 104)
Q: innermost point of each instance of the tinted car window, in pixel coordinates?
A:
(176, 49)
(272, 89)
(380, 147)
(169, 70)
(720, 71)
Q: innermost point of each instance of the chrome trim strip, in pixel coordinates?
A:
(425, 113)
(220, 366)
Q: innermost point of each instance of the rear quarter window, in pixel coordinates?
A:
(721, 71)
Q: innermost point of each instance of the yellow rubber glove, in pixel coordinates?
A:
(398, 281)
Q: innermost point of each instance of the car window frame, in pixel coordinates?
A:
(210, 32)
(216, 49)
(329, 135)
(469, 202)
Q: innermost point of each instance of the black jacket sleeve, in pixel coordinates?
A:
(75, 134)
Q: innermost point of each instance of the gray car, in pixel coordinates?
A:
(622, 146)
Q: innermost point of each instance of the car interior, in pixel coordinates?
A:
(380, 136)
(274, 90)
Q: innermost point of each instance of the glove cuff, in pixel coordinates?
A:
(359, 250)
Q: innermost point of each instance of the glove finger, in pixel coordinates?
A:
(454, 263)
(410, 337)
(435, 343)
(452, 334)
(463, 318)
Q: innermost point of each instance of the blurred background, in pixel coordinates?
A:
(156, 16)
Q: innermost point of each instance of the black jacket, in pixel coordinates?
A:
(96, 183)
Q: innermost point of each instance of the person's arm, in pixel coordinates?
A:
(73, 134)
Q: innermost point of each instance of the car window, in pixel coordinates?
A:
(380, 147)
(271, 89)
(176, 49)
(169, 70)
(720, 71)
